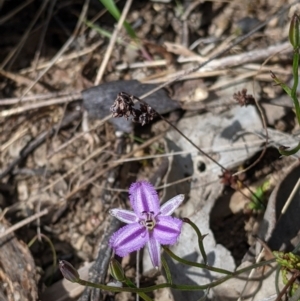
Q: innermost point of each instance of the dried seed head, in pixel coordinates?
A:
(243, 98)
(123, 106)
(227, 179)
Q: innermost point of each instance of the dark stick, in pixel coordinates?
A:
(98, 271)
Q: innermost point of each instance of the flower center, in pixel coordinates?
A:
(149, 220)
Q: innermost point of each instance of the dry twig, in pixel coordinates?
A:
(38, 141)
(112, 42)
(24, 222)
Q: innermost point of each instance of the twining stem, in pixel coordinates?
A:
(195, 264)
(288, 152)
(141, 294)
(277, 278)
(32, 241)
(293, 94)
(174, 286)
(167, 270)
(295, 85)
(287, 286)
(200, 238)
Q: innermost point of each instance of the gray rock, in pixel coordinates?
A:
(98, 100)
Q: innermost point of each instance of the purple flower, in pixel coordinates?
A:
(148, 223)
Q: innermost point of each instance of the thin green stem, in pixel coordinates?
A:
(174, 286)
(114, 11)
(253, 266)
(285, 88)
(293, 94)
(54, 256)
(167, 270)
(140, 140)
(195, 264)
(297, 247)
(287, 151)
(295, 85)
(200, 238)
(295, 72)
(277, 279)
(141, 294)
(107, 34)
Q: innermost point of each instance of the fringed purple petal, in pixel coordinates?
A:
(169, 207)
(125, 216)
(128, 239)
(154, 251)
(148, 224)
(167, 230)
(143, 198)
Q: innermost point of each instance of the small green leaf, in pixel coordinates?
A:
(113, 10)
(116, 270)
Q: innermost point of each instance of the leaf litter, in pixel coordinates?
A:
(57, 158)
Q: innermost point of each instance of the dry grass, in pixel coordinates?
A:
(56, 162)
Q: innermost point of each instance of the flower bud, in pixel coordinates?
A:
(294, 33)
(116, 270)
(68, 271)
(186, 220)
